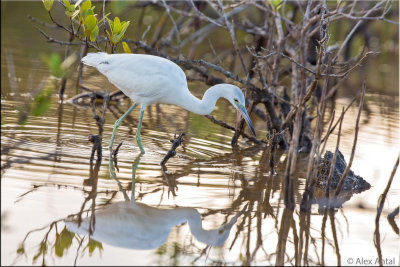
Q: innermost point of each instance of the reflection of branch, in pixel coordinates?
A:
(323, 236)
(287, 217)
(171, 180)
(334, 234)
(391, 220)
(114, 156)
(381, 202)
(34, 188)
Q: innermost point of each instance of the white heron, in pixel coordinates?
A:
(138, 226)
(148, 79)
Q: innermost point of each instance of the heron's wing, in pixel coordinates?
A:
(143, 76)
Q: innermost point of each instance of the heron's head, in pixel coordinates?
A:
(235, 96)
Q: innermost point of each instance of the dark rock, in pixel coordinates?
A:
(353, 183)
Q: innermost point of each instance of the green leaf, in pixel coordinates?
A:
(90, 22)
(118, 37)
(126, 48)
(109, 36)
(85, 7)
(68, 6)
(90, 12)
(94, 33)
(110, 23)
(86, 10)
(125, 25)
(275, 3)
(42, 250)
(21, 249)
(58, 249)
(66, 237)
(71, 14)
(48, 4)
(115, 38)
(63, 242)
(117, 26)
(42, 102)
(93, 244)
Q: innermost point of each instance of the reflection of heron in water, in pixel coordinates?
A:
(130, 224)
(138, 226)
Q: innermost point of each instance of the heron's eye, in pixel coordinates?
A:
(236, 101)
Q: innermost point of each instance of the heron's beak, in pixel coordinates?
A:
(243, 110)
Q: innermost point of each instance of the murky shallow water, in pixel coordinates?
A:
(49, 179)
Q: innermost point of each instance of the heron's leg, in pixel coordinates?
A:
(118, 123)
(138, 138)
(135, 165)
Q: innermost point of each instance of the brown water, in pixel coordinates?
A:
(49, 171)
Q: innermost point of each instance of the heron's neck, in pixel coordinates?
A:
(204, 106)
(215, 237)
(195, 223)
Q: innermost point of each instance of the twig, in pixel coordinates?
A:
(337, 122)
(52, 40)
(175, 144)
(49, 25)
(333, 162)
(346, 171)
(348, 16)
(298, 64)
(309, 190)
(227, 126)
(209, 27)
(348, 37)
(233, 37)
(201, 15)
(176, 30)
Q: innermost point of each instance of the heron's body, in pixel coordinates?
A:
(148, 79)
(144, 83)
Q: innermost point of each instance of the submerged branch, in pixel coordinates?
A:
(175, 144)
